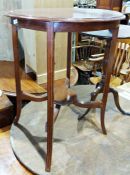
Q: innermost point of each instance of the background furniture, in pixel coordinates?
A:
(35, 53)
(110, 4)
(86, 59)
(120, 66)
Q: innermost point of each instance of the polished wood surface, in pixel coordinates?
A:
(6, 111)
(7, 80)
(66, 15)
(120, 71)
(64, 20)
(121, 65)
(110, 4)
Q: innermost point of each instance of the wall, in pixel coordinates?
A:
(34, 43)
(5, 28)
(36, 59)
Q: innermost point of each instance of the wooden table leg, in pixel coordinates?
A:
(69, 56)
(17, 72)
(107, 71)
(50, 91)
(117, 103)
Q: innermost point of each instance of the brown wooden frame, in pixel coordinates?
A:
(53, 25)
(110, 4)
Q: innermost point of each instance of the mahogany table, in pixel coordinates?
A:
(63, 20)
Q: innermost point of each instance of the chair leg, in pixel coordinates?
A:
(116, 100)
(93, 98)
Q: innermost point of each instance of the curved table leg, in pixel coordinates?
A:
(17, 73)
(116, 100)
(99, 89)
(102, 121)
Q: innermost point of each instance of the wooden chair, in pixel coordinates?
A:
(121, 67)
(85, 54)
(120, 74)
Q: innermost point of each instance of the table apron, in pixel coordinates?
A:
(80, 27)
(66, 26)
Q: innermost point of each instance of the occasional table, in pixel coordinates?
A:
(53, 21)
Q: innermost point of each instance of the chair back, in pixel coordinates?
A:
(122, 56)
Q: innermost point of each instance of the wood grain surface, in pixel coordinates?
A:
(7, 80)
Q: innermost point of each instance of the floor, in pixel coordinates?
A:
(7, 81)
(80, 148)
(119, 133)
(8, 163)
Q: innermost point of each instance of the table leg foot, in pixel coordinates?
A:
(17, 116)
(47, 169)
(102, 121)
(116, 100)
(93, 98)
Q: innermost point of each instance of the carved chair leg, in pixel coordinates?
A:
(116, 100)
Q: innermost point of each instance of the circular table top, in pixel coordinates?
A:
(124, 33)
(66, 15)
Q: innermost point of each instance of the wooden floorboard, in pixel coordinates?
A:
(7, 80)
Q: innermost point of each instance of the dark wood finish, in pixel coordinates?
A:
(7, 80)
(7, 85)
(17, 72)
(64, 20)
(124, 40)
(124, 33)
(50, 91)
(69, 58)
(107, 71)
(60, 15)
(6, 111)
(110, 4)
